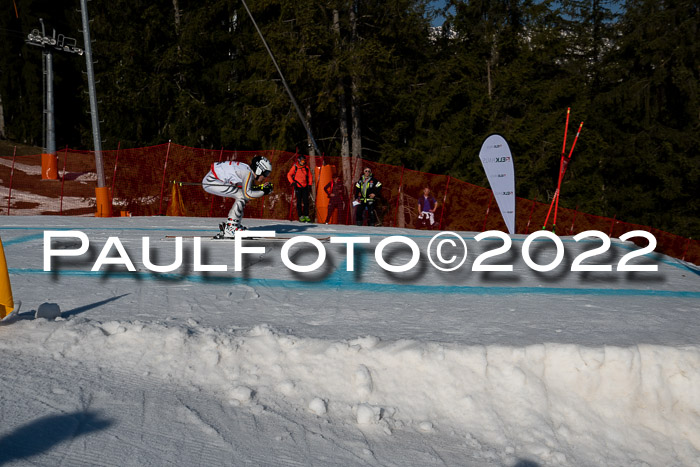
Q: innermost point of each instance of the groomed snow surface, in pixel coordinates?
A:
(267, 366)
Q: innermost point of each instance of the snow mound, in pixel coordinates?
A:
(560, 403)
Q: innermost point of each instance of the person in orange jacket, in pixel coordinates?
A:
(299, 177)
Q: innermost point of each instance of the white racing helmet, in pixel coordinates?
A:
(261, 166)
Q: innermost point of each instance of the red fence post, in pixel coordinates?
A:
(63, 179)
(687, 245)
(529, 219)
(211, 208)
(571, 230)
(612, 226)
(444, 202)
(162, 185)
(396, 215)
(114, 175)
(293, 198)
(487, 213)
(12, 173)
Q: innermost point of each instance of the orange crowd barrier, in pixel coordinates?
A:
(140, 178)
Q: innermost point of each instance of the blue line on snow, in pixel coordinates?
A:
(26, 238)
(321, 233)
(338, 280)
(654, 255)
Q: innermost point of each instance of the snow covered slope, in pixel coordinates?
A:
(268, 366)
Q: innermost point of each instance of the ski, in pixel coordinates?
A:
(13, 314)
(270, 239)
(220, 236)
(217, 237)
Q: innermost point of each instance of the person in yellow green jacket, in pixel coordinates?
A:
(367, 191)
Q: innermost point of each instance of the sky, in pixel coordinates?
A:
(348, 364)
(614, 5)
(439, 4)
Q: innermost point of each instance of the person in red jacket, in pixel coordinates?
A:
(299, 177)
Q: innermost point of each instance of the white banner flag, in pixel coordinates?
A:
(498, 165)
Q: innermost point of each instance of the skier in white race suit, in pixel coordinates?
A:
(240, 181)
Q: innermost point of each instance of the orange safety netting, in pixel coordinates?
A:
(141, 180)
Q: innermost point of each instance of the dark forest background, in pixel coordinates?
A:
(377, 80)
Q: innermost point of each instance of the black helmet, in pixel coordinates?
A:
(261, 166)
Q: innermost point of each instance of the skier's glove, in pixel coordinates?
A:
(267, 188)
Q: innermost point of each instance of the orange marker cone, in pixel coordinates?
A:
(177, 205)
(7, 305)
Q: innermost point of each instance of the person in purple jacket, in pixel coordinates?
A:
(427, 204)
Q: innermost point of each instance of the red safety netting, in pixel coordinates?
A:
(141, 182)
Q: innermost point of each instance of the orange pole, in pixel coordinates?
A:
(104, 202)
(49, 167)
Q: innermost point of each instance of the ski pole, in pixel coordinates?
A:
(177, 182)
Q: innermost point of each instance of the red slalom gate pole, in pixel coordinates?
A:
(575, 139)
(556, 208)
(566, 128)
(561, 163)
(565, 163)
